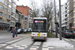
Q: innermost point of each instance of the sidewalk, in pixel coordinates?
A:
(55, 42)
(5, 31)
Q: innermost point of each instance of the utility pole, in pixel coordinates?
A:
(55, 18)
(60, 19)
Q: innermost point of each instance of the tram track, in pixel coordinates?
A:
(36, 45)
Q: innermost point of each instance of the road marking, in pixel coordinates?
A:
(8, 47)
(66, 39)
(13, 41)
(45, 46)
(50, 47)
(16, 46)
(72, 39)
(69, 48)
(3, 44)
(45, 49)
(37, 43)
(33, 48)
(24, 45)
(21, 47)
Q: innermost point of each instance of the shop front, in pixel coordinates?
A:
(4, 26)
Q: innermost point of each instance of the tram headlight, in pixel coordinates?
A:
(33, 34)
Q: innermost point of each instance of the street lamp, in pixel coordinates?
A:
(60, 19)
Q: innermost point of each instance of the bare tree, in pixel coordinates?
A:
(34, 9)
(47, 10)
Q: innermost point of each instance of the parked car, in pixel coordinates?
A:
(73, 34)
(29, 30)
(67, 33)
(25, 30)
(19, 31)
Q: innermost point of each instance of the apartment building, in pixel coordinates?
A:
(65, 16)
(25, 16)
(7, 14)
(71, 13)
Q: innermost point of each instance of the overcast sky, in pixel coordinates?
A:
(27, 2)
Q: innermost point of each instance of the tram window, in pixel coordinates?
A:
(39, 25)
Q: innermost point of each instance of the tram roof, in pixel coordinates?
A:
(39, 18)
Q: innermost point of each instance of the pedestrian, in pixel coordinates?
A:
(14, 32)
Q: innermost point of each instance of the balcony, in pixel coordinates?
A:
(14, 1)
(1, 17)
(73, 10)
(73, 5)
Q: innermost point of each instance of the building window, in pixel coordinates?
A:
(25, 22)
(13, 9)
(22, 16)
(26, 18)
(14, 14)
(8, 21)
(6, 3)
(14, 5)
(9, 5)
(74, 8)
(68, 11)
(9, 11)
(65, 7)
(0, 13)
(66, 15)
(11, 18)
(74, 3)
(6, 9)
(8, 16)
(2, 1)
(9, 0)
(74, 14)
(66, 19)
(12, 23)
(17, 16)
(5, 15)
(1, 20)
(1, 7)
(65, 3)
(65, 11)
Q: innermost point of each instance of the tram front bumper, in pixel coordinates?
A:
(39, 38)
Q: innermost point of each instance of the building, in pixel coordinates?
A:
(65, 16)
(25, 11)
(7, 14)
(18, 23)
(71, 13)
(30, 22)
(30, 18)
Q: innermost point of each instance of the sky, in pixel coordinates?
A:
(27, 2)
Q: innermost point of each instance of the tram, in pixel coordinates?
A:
(39, 30)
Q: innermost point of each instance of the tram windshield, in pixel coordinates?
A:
(39, 25)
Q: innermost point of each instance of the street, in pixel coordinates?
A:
(24, 42)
